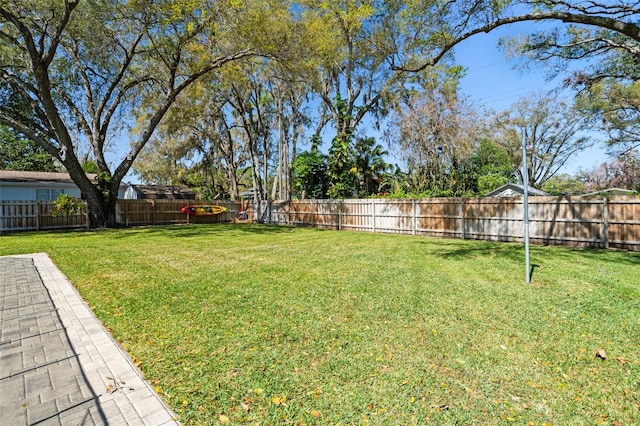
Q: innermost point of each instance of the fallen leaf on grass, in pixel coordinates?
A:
(279, 400)
(315, 413)
(223, 418)
(622, 360)
(600, 353)
(136, 361)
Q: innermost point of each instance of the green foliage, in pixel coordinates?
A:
(104, 181)
(604, 63)
(395, 184)
(310, 175)
(90, 167)
(20, 153)
(492, 165)
(489, 182)
(563, 184)
(84, 68)
(65, 205)
(341, 168)
(616, 106)
(370, 166)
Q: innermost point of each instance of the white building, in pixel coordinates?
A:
(35, 186)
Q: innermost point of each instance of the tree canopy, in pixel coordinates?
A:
(85, 67)
(20, 153)
(221, 93)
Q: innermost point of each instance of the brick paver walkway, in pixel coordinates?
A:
(58, 364)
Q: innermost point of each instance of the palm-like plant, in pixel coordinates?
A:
(370, 165)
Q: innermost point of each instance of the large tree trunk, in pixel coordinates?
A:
(96, 210)
(101, 207)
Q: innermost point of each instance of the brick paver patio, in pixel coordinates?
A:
(58, 364)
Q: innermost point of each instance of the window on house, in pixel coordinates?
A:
(48, 194)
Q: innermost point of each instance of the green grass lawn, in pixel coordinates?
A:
(247, 323)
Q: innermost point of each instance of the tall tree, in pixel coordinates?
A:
(606, 33)
(355, 78)
(250, 111)
(436, 133)
(621, 172)
(84, 67)
(197, 144)
(564, 183)
(553, 133)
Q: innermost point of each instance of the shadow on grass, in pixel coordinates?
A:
(440, 247)
(459, 249)
(169, 231)
(200, 230)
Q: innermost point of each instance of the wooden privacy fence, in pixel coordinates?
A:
(166, 212)
(580, 221)
(36, 215)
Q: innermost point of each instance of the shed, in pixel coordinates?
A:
(35, 186)
(515, 190)
(158, 192)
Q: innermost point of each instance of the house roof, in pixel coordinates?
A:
(610, 192)
(22, 176)
(165, 192)
(515, 190)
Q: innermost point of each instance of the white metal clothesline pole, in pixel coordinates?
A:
(525, 207)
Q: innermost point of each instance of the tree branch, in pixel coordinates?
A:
(628, 29)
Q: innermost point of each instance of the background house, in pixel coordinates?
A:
(156, 192)
(515, 190)
(35, 186)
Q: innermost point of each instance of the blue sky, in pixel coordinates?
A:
(492, 82)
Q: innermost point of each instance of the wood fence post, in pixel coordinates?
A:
(462, 227)
(340, 212)
(38, 215)
(605, 221)
(373, 215)
(414, 218)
